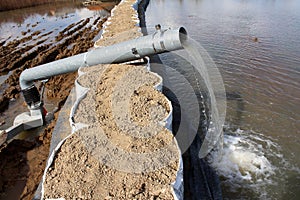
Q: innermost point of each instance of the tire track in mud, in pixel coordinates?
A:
(14, 59)
(69, 32)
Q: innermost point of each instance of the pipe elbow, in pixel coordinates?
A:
(24, 83)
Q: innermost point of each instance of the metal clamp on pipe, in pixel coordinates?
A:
(32, 96)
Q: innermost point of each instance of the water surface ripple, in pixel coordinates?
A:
(256, 46)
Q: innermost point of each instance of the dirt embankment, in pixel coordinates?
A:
(124, 152)
(22, 163)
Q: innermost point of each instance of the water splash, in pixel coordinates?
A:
(252, 163)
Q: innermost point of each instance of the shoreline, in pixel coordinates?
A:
(44, 138)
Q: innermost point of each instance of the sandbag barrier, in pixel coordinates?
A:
(84, 126)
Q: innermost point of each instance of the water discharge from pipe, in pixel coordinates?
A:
(215, 93)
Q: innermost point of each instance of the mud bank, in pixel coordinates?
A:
(22, 162)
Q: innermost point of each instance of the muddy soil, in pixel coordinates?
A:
(23, 162)
(15, 59)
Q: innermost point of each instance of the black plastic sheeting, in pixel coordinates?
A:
(201, 181)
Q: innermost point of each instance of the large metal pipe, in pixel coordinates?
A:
(159, 42)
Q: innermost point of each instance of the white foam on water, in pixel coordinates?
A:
(243, 159)
(251, 161)
(250, 164)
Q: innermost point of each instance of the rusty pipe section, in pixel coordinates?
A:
(159, 42)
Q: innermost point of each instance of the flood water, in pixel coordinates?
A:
(49, 18)
(39, 29)
(256, 46)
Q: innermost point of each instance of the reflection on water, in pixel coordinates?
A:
(256, 46)
(49, 18)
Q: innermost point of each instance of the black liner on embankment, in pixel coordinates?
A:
(200, 179)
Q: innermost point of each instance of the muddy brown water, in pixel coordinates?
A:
(256, 46)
